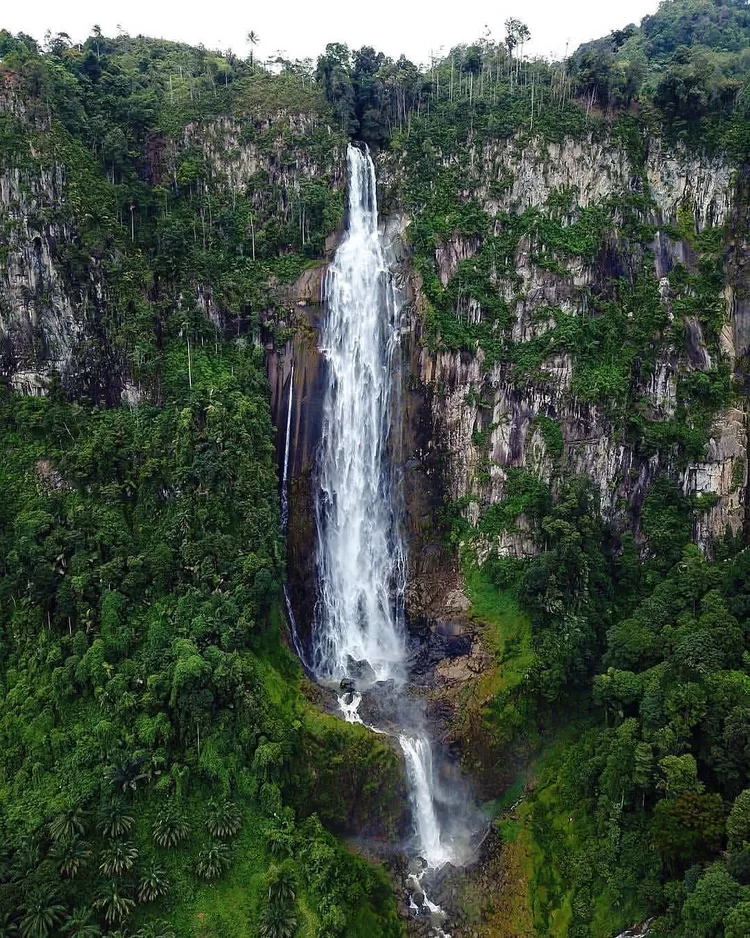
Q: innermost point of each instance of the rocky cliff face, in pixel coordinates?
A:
(58, 287)
(484, 421)
(466, 419)
(51, 291)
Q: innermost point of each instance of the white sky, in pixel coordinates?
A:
(301, 28)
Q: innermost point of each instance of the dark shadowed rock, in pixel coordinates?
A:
(359, 670)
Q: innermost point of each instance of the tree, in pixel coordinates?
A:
(680, 776)
(156, 929)
(212, 861)
(334, 74)
(738, 921)
(153, 884)
(170, 827)
(282, 887)
(41, 912)
(115, 819)
(114, 900)
(224, 819)
(252, 39)
(516, 35)
(80, 924)
(71, 856)
(690, 827)
(738, 822)
(70, 823)
(709, 904)
(118, 858)
(276, 921)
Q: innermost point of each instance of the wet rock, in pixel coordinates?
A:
(360, 670)
(347, 685)
(417, 864)
(382, 705)
(457, 601)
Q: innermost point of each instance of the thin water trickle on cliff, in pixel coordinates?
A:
(285, 515)
(359, 630)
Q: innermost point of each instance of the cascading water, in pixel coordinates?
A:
(418, 756)
(360, 554)
(358, 629)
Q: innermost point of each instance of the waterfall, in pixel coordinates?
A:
(358, 624)
(418, 756)
(360, 554)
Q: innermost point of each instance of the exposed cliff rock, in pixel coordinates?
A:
(59, 288)
(528, 173)
(484, 420)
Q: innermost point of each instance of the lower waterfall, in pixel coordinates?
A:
(418, 755)
(359, 636)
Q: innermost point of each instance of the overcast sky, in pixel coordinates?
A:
(301, 28)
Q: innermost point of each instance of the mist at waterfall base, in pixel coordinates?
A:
(359, 642)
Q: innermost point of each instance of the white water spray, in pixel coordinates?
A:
(285, 468)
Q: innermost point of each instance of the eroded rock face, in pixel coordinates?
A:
(464, 425)
(44, 315)
(52, 308)
(529, 173)
(476, 422)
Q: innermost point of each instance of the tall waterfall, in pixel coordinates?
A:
(360, 554)
(358, 629)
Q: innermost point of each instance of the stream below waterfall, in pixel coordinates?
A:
(359, 636)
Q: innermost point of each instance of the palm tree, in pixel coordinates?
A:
(170, 827)
(80, 924)
(276, 921)
(283, 887)
(118, 858)
(253, 39)
(225, 818)
(42, 912)
(71, 856)
(152, 884)
(213, 860)
(157, 929)
(115, 819)
(26, 859)
(70, 823)
(279, 843)
(127, 775)
(115, 902)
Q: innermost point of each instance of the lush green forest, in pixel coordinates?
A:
(163, 770)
